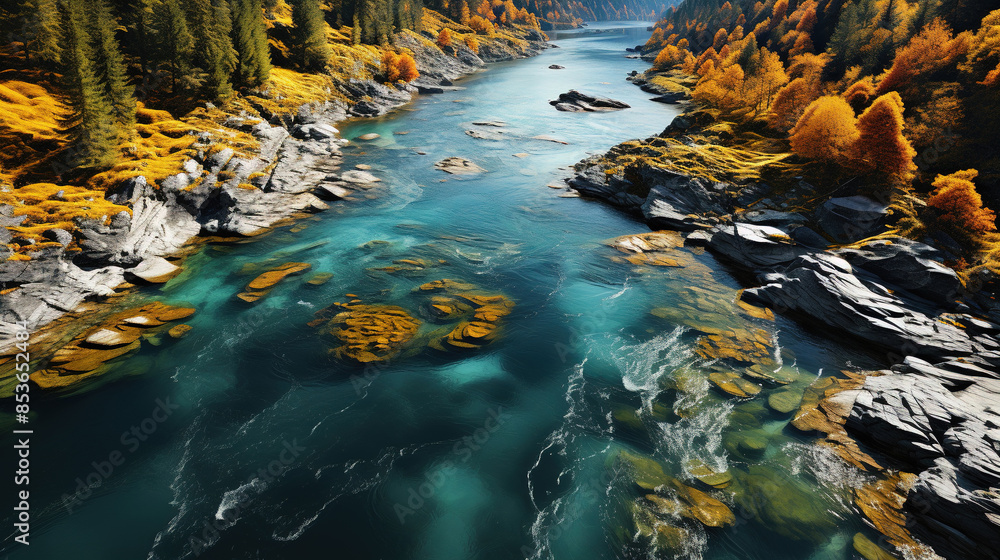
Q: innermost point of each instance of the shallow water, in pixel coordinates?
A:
(502, 452)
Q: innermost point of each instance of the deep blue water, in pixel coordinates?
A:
(497, 453)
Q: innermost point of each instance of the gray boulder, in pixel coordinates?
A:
(575, 102)
(910, 265)
(754, 246)
(852, 218)
(824, 288)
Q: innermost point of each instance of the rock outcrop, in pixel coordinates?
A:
(575, 102)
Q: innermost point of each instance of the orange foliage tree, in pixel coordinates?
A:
(827, 130)
(399, 67)
(984, 54)
(860, 93)
(720, 38)
(444, 38)
(472, 43)
(958, 208)
(930, 50)
(882, 146)
(480, 25)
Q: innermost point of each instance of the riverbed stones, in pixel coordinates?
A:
(575, 102)
(733, 385)
(785, 400)
(458, 166)
(781, 504)
(179, 331)
(118, 335)
(369, 136)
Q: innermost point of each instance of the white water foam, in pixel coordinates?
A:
(642, 365)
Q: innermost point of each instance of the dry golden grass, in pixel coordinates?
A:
(45, 208)
(30, 126)
(698, 159)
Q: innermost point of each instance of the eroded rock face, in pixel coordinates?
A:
(824, 287)
(909, 265)
(754, 246)
(575, 102)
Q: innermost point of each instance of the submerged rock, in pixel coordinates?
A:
(89, 354)
(458, 166)
(265, 282)
(371, 333)
(573, 101)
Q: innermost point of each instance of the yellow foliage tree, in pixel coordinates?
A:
(827, 130)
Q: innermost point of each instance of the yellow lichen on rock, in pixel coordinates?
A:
(88, 354)
(265, 282)
(371, 333)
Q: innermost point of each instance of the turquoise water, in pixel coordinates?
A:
(507, 451)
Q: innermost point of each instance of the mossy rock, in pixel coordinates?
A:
(706, 475)
(371, 333)
(780, 503)
(627, 416)
(733, 385)
(785, 401)
(646, 472)
(869, 550)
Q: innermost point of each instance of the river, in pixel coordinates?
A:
(503, 452)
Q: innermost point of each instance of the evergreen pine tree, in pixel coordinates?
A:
(211, 27)
(42, 33)
(356, 30)
(250, 40)
(175, 42)
(309, 35)
(109, 65)
(93, 132)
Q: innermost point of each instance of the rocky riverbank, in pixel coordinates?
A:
(836, 265)
(295, 171)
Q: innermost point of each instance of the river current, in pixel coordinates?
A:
(265, 447)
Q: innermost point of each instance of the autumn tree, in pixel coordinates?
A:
(444, 38)
(472, 43)
(983, 62)
(827, 130)
(958, 209)
(881, 146)
(933, 49)
(399, 67)
(860, 93)
(721, 37)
